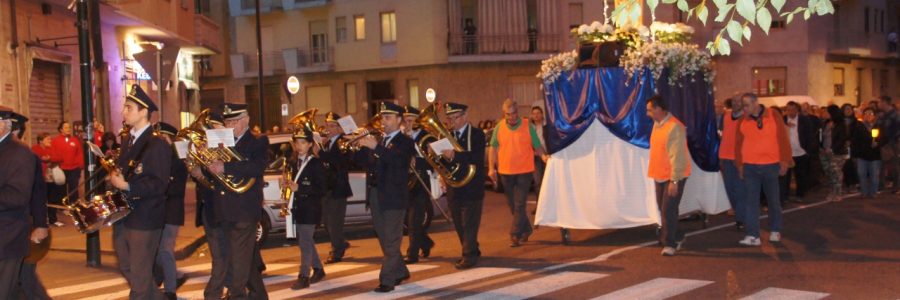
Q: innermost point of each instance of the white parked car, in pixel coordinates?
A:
(357, 212)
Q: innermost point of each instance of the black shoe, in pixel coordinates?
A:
(465, 264)
(171, 296)
(426, 251)
(401, 279)
(317, 275)
(410, 260)
(524, 237)
(383, 288)
(180, 281)
(302, 283)
(514, 242)
(333, 259)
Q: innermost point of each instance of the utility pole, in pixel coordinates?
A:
(259, 58)
(87, 114)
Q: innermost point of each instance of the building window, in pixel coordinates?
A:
(360, 25)
(319, 97)
(350, 97)
(413, 85)
(340, 29)
(769, 81)
(866, 20)
(576, 15)
(388, 27)
(838, 77)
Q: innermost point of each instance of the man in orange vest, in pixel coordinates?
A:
(513, 146)
(670, 166)
(733, 185)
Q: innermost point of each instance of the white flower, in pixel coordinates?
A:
(644, 31)
(595, 26)
(607, 28)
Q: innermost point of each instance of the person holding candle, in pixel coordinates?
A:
(865, 149)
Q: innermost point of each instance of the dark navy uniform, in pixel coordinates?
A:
(307, 212)
(334, 203)
(165, 270)
(30, 286)
(466, 202)
(420, 201)
(17, 165)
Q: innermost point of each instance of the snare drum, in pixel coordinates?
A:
(105, 209)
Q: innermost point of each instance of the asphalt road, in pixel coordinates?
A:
(834, 250)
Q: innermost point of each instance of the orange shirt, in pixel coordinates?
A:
(669, 159)
(762, 146)
(515, 154)
(729, 136)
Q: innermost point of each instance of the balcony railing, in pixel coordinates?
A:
(245, 65)
(248, 7)
(462, 44)
(299, 60)
(301, 4)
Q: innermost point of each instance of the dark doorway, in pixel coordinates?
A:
(378, 91)
(272, 105)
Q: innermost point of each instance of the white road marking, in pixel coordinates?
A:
(659, 288)
(539, 286)
(785, 294)
(330, 284)
(333, 268)
(431, 284)
(72, 289)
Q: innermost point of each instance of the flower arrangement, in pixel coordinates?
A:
(671, 33)
(631, 36)
(595, 32)
(681, 59)
(553, 67)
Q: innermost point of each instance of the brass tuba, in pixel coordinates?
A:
(373, 128)
(307, 120)
(455, 174)
(200, 155)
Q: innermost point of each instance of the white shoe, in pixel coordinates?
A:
(775, 237)
(668, 251)
(750, 241)
(59, 224)
(680, 244)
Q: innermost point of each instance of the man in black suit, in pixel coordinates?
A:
(144, 168)
(238, 213)
(337, 183)
(166, 271)
(466, 202)
(802, 133)
(388, 162)
(420, 200)
(17, 165)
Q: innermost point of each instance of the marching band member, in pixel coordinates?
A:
(16, 184)
(165, 257)
(334, 204)
(420, 200)
(388, 172)
(670, 166)
(238, 213)
(307, 183)
(466, 202)
(144, 165)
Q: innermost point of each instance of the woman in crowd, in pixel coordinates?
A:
(43, 150)
(307, 182)
(834, 150)
(66, 150)
(851, 180)
(866, 151)
(108, 143)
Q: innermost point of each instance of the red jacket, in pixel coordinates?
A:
(68, 152)
(41, 152)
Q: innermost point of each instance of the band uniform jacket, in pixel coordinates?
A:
(337, 165)
(204, 204)
(146, 166)
(388, 170)
(17, 165)
(229, 206)
(473, 143)
(307, 206)
(421, 164)
(175, 193)
(38, 212)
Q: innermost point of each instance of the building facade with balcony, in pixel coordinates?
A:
(41, 74)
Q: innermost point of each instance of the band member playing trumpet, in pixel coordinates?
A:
(419, 200)
(165, 258)
(307, 184)
(334, 204)
(144, 169)
(388, 162)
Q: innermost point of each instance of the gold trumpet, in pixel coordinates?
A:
(200, 155)
(286, 192)
(455, 174)
(373, 128)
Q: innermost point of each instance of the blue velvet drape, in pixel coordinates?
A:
(579, 97)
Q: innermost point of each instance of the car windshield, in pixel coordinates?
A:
(278, 153)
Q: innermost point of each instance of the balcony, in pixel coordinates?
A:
(300, 61)
(873, 45)
(248, 7)
(516, 47)
(207, 35)
(246, 65)
(303, 4)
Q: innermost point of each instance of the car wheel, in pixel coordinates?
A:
(263, 228)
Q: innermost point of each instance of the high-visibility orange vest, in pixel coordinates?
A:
(729, 136)
(516, 151)
(760, 146)
(660, 166)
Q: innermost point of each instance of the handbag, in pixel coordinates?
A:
(59, 177)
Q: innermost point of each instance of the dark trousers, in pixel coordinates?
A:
(54, 196)
(218, 249)
(9, 276)
(668, 211)
(165, 270)
(389, 227)
(466, 220)
(334, 211)
(240, 238)
(800, 173)
(30, 286)
(516, 188)
(418, 234)
(539, 166)
(72, 178)
(136, 252)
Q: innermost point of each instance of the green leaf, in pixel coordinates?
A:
(690, 13)
(811, 3)
(822, 8)
(747, 10)
(635, 13)
(807, 14)
(764, 19)
(683, 5)
(746, 31)
(720, 3)
(702, 14)
(723, 12)
(723, 47)
(829, 6)
(790, 17)
(652, 4)
(734, 31)
(778, 4)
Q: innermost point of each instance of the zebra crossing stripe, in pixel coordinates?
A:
(659, 288)
(333, 268)
(431, 284)
(124, 293)
(539, 286)
(73, 289)
(785, 294)
(330, 284)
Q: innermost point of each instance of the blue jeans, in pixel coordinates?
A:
(869, 171)
(733, 188)
(761, 178)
